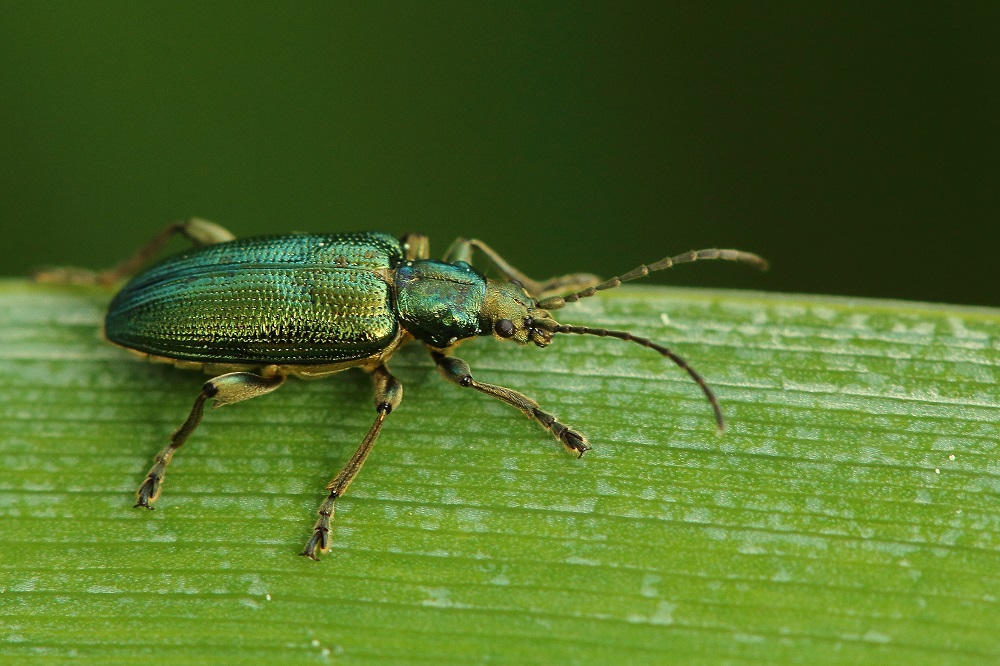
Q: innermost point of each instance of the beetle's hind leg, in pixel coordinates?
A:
(224, 390)
(388, 395)
(461, 250)
(198, 231)
(458, 372)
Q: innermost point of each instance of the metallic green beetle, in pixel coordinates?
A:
(260, 309)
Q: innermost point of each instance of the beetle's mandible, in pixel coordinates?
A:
(254, 311)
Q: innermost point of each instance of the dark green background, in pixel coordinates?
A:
(854, 144)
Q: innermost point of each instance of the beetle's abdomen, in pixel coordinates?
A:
(288, 300)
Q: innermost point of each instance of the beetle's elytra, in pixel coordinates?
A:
(260, 309)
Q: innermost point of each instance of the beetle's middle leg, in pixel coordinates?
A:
(198, 231)
(461, 250)
(388, 395)
(458, 372)
(224, 390)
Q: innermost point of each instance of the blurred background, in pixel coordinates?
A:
(855, 144)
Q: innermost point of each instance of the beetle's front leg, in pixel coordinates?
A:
(224, 390)
(415, 246)
(458, 372)
(461, 250)
(388, 395)
(198, 231)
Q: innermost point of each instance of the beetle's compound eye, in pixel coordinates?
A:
(504, 328)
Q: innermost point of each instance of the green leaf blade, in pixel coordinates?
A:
(850, 513)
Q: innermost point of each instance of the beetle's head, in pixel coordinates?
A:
(509, 313)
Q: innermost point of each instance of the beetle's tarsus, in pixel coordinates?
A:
(320, 538)
(143, 502)
(574, 442)
(149, 491)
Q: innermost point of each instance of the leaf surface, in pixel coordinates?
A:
(850, 513)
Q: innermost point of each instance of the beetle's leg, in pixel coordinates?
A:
(198, 231)
(388, 394)
(224, 390)
(415, 246)
(461, 250)
(458, 372)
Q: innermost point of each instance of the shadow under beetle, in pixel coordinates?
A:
(260, 309)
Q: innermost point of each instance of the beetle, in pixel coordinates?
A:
(257, 310)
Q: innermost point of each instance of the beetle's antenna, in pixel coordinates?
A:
(556, 302)
(624, 335)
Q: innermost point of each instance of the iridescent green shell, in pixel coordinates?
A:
(298, 299)
(439, 303)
